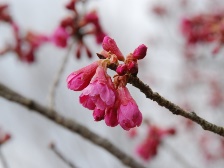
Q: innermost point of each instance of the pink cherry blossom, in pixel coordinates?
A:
(129, 115)
(149, 147)
(110, 45)
(60, 37)
(100, 91)
(80, 79)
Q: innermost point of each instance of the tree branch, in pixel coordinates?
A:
(69, 124)
(60, 155)
(56, 80)
(136, 82)
(4, 162)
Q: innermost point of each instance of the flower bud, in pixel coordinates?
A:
(140, 52)
(122, 69)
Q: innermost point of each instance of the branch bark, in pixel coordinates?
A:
(69, 124)
(136, 82)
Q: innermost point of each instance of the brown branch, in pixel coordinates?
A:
(60, 155)
(173, 108)
(69, 124)
(136, 82)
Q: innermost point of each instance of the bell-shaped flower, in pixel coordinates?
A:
(100, 91)
(129, 115)
(110, 46)
(80, 79)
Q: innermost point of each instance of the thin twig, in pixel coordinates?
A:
(136, 82)
(60, 155)
(4, 162)
(57, 78)
(69, 124)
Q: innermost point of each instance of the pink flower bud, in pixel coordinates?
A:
(129, 115)
(133, 67)
(80, 79)
(110, 45)
(92, 17)
(122, 69)
(140, 52)
(71, 5)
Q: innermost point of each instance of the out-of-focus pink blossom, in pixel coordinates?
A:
(100, 91)
(60, 37)
(110, 46)
(4, 13)
(71, 5)
(4, 137)
(36, 40)
(129, 115)
(159, 10)
(132, 133)
(149, 147)
(92, 17)
(80, 79)
(216, 96)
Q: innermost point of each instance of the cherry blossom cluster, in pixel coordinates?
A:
(25, 45)
(149, 147)
(109, 100)
(204, 28)
(76, 26)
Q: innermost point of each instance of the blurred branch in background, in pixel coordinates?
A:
(71, 125)
(53, 147)
(56, 81)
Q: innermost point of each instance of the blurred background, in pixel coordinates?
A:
(188, 75)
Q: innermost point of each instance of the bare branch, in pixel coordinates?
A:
(136, 82)
(69, 124)
(57, 78)
(4, 162)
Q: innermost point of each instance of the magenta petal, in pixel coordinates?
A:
(74, 82)
(98, 114)
(86, 101)
(111, 118)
